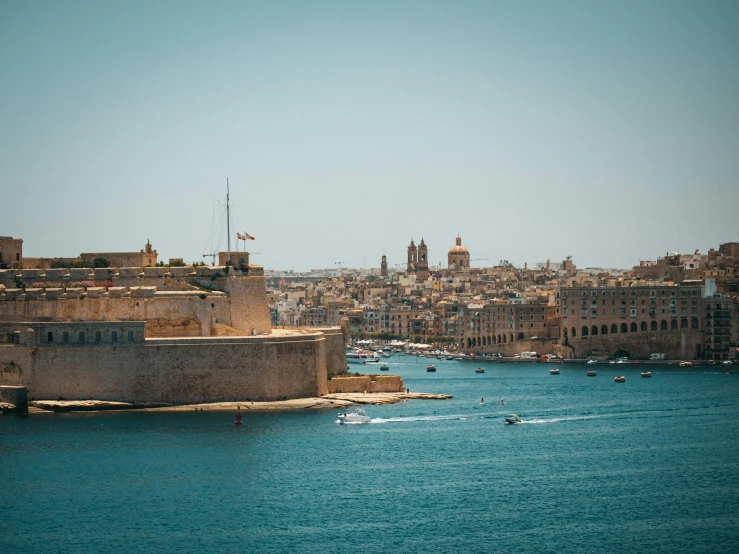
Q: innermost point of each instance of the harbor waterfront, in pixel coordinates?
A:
(649, 465)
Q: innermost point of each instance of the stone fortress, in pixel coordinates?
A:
(189, 334)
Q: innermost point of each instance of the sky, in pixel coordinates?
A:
(608, 131)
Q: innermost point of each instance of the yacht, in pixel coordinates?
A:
(357, 416)
(591, 362)
(356, 357)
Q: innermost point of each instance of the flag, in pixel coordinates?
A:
(245, 236)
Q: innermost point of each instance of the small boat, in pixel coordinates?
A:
(384, 367)
(591, 373)
(479, 370)
(620, 379)
(431, 367)
(554, 371)
(512, 420)
(482, 401)
(727, 362)
(646, 374)
(591, 362)
(685, 364)
(357, 416)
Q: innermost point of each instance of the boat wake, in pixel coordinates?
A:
(430, 418)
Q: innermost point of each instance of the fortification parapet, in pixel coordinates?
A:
(56, 274)
(7, 274)
(75, 292)
(204, 271)
(117, 292)
(34, 294)
(103, 273)
(80, 273)
(185, 271)
(155, 271)
(95, 292)
(13, 294)
(31, 273)
(129, 272)
(55, 294)
(143, 292)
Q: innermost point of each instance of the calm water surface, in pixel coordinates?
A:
(650, 465)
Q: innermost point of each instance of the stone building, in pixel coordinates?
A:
(635, 321)
(11, 252)
(383, 266)
(145, 257)
(458, 256)
(412, 258)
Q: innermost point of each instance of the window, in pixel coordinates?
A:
(50, 337)
(130, 336)
(98, 336)
(114, 336)
(65, 336)
(82, 336)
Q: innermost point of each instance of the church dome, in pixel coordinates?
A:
(458, 248)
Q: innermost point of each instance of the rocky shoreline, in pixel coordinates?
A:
(336, 400)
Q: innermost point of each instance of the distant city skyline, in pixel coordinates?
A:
(535, 130)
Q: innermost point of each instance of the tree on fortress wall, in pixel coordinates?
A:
(100, 262)
(58, 264)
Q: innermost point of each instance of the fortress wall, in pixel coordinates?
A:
(335, 350)
(16, 365)
(165, 316)
(181, 371)
(366, 383)
(249, 307)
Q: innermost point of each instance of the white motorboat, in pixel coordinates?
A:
(480, 370)
(513, 419)
(591, 373)
(620, 379)
(384, 367)
(646, 374)
(685, 364)
(591, 362)
(431, 367)
(356, 357)
(357, 416)
(554, 371)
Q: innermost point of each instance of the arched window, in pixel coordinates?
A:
(565, 331)
(511, 337)
(633, 327)
(484, 340)
(643, 325)
(683, 323)
(673, 324)
(574, 332)
(694, 323)
(614, 329)
(663, 325)
(478, 341)
(461, 344)
(504, 339)
(624, 328)
(594, 330)
(520, 336)
(584, 331)
(499, 339)
(653, 326)
(604, 329)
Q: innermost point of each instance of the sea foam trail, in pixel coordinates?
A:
(431, 418)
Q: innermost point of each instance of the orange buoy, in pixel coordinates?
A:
(238, 418)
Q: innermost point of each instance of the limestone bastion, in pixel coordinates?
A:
(156, 334)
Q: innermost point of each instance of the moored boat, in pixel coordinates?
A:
(685, 364)
(646, 374)
(384, 367)
(479, 370)
(554, 371)
(431, 367)
(591, 373)
(620, 379)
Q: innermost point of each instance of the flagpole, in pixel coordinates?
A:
(228, 224)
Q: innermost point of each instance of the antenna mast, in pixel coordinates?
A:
(228, 224)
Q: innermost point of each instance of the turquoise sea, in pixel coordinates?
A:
(650, 465)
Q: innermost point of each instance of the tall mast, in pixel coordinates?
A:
(228, 223)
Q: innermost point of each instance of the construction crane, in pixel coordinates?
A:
(212, 258)
(478, 259)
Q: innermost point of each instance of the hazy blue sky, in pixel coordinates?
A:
(604, 130)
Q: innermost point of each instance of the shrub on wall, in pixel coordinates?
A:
(100, 262)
